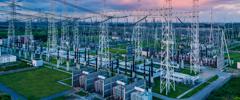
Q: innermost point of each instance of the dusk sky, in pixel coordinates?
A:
(223, 10)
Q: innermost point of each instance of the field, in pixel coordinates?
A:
(117, 51)
(180, 88)
(36, 84)
(68, 81)
(230, 91)
(235, 57)
(237, 48)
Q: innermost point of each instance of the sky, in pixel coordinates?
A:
(223, 10)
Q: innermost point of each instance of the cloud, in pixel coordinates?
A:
(228, 6)
(222, 8)
(156, 3)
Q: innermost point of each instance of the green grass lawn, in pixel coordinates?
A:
(18, 65)
(230, 91)
(200, 87)
(68, 81)
(237, 48)
(235, 57)
(53, 60)
(4, 96)
(37, 83)
(117, 51)
(180, 88)
(82, 93)
(214, 78)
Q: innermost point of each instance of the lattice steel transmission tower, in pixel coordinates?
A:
(103, 50)
(76, 43)
(52, 32)
(65, 37)
(222, 50)
(29, 43)
(137, 41)
(11, 26)
(195, 45)
(167, 68)
(211, 37)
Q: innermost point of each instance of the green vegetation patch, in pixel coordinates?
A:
(82, 93)
(68, 81)
(180, 88)
(37, 83)
(235, 57)
(214, 78)
(18, 65)
(117, 51)
(237, 48)
(230, 91)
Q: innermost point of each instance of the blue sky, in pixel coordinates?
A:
(223, 10)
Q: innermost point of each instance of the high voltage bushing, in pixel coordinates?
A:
(96, 61)
(85, 54)
(88, 57)
(133, 67)
(144, 68)
(126, 65)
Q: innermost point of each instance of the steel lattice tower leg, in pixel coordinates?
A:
(137, 34)
(103, 51)
(195, 45)
(52, 32)
(166, 82)
(76, 42)
(29, 43)
(11, 28)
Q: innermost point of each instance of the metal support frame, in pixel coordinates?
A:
(167, 69)
(195, 45)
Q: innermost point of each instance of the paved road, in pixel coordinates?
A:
(204, 93)
(58, 95)
(14, 95)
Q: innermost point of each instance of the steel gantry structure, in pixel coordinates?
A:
(195, 45)
(11, 27)
(163, 33)
(167, 83)
(103, 49)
